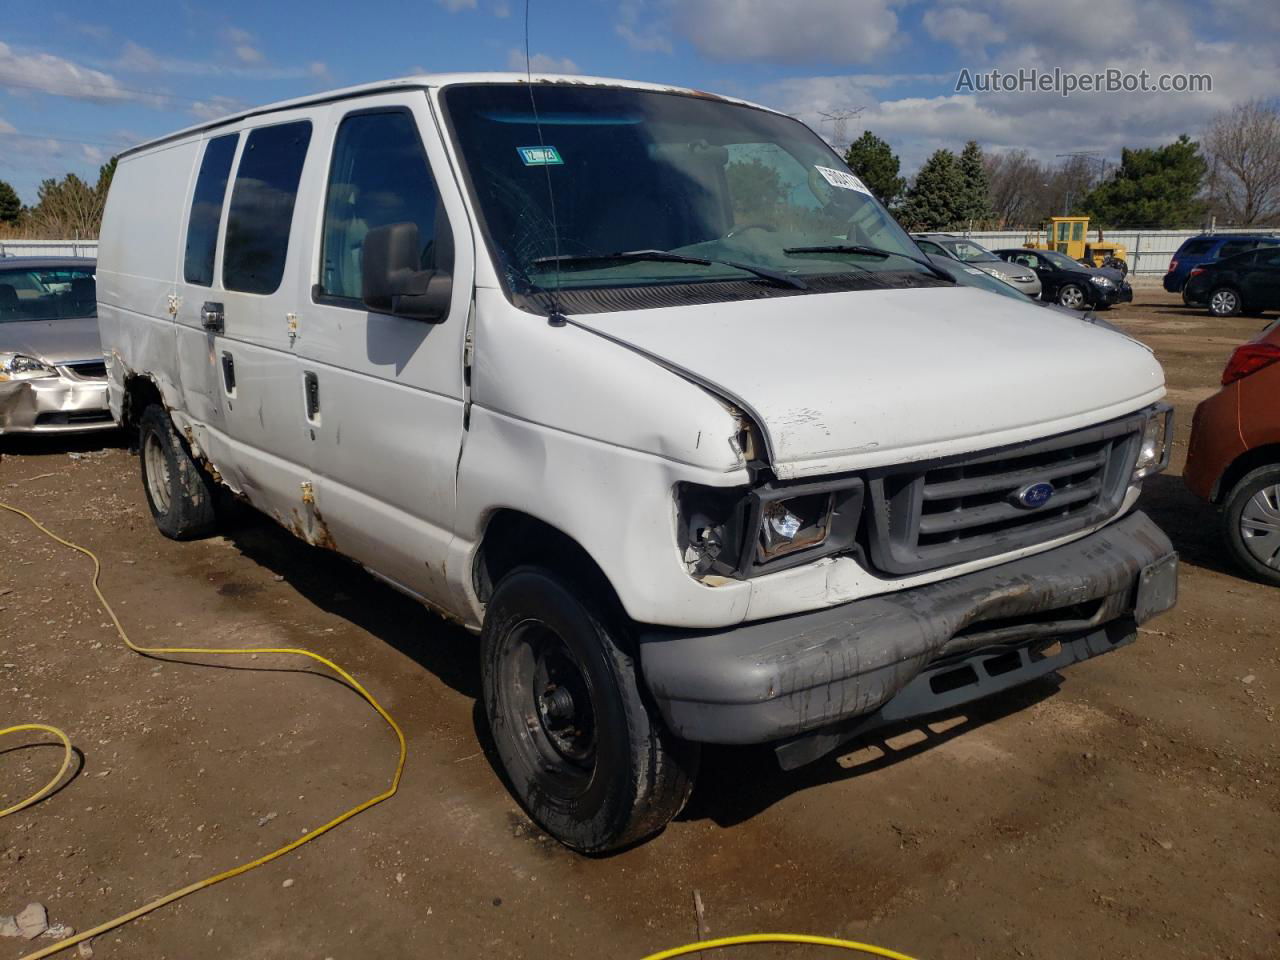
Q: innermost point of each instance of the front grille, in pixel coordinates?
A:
(951, 511)
(88, 369)
(63, 418)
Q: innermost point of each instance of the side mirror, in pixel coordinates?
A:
(392, 281)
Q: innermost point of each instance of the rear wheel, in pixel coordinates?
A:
(586, 755)
(1224, 302)
(179, 493)
(1252, 523)
(1071, 296)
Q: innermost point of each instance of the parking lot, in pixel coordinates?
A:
(1128, 811)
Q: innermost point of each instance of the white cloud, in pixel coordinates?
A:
(540, 63)
(247, 53)
(645, 27)
(215, 108)
(453, 6)
(234, 35)
(969, 30)
(47, 73)
(799, 31)
(6, 126)
(502, 9)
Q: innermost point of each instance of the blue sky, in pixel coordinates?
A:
(79, 80)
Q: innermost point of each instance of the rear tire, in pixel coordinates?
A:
(585, 753)
(1225, 302)
(1251, 524)
(179, 493)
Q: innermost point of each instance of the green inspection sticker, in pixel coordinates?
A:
(539, 156)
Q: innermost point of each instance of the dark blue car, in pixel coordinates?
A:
(1208, 248)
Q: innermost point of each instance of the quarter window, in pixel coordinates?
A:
(379, 176)
(206, 209)
(261, 210)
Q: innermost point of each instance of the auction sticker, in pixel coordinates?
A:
(540, 156)
(843, 180)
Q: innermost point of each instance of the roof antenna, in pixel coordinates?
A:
(555, 317)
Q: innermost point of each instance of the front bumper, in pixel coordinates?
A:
(1118, 293)
(61, 404)
(816, 672)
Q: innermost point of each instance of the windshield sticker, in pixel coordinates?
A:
(843, 180)
(539, 156)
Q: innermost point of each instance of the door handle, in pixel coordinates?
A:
(212, 318)
(229, 373)
(311, 387)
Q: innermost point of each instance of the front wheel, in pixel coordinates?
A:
(586, 756)
(1071, 296)
(1252, 523)
(1224, 302)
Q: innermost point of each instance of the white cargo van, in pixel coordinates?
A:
(643, 386)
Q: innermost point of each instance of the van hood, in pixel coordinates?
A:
(847, 381)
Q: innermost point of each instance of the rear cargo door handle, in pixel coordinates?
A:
(229, 373)
(311, 388)
(212, 317)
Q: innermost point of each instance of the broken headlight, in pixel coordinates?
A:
(17, 366)
(1157, 442)
(737, 533)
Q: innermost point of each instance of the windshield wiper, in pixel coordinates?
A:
(775, 277)
(867, 251)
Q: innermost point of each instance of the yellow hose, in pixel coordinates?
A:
(797, 938)
(776, 938)
(209, 651)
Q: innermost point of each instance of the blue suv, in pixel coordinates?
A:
(1207, 248)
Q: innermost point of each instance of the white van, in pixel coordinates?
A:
(643, 386)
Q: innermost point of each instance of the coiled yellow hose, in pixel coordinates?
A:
(203, 651)
(796, 938)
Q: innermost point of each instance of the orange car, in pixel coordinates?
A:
(1234, 457)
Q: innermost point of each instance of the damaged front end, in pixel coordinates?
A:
(37, 397)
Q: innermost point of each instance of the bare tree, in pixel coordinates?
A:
(1242, 146)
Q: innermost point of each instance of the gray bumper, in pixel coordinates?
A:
(777, 679)
(54, 405)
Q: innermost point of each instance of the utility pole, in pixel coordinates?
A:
(839, 120)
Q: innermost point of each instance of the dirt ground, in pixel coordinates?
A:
(1132, 810)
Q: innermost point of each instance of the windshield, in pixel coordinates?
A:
(624, 170)
(970, 252)
(973, 277)
(1060, 260)
(51, 293)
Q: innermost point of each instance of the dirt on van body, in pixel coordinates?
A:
(1132, 810)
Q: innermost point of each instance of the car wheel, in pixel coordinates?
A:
(584, 752)
(1224, 302)
(1252, 523)
(179, 493)
(1071, 296)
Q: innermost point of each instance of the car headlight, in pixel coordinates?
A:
(1157, 443)
(1102, 281)
(739, 533)
(1025, 277)
(18, 366)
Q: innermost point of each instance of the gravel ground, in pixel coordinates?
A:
(1129, 811)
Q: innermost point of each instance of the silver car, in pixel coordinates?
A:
(52, 375)
(966, 251)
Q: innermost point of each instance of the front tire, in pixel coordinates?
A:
(179, 493)
(1071, 296)
(1251, 523)
(586, 755)
(1225, 302)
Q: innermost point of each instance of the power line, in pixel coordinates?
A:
(88, 92)
(118, 145)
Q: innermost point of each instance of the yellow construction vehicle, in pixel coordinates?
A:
(1070, 235)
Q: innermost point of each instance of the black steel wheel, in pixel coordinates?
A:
(583, 751)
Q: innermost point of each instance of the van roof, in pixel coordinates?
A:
(425, 81)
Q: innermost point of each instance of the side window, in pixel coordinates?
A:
(929, 247)
(261, 209)
(1195, 247)
(206, 209)
(379, 176)
(1231, 247)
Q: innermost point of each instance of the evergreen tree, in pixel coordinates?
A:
(976, 200)
(935, 201)
(10, 205)
(1155, 187)
(877, 165)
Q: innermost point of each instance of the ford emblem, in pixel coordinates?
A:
(1034, 495)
